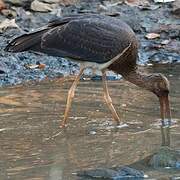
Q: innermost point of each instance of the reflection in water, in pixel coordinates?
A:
(30, 115)
(166, 136)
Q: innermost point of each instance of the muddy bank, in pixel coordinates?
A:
(145, 18)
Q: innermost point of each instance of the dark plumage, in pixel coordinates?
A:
(91, 38)
(99, 42)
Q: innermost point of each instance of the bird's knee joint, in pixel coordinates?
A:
(71, 93)
(109, 102)
(108, 99)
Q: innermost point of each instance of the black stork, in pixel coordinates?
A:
(97, 42)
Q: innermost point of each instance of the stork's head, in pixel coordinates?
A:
(159, 85)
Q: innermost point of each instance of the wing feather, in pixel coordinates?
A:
(86, 40)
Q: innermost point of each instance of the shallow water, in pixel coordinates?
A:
(33, 147)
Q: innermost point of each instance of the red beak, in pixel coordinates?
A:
(165, 119)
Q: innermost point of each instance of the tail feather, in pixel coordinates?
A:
(32, 41)
(26, 42)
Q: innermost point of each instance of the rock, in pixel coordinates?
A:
(163, 1)
(175, 178)
(109, 8)
(163, 57)
(42, 7)
(9, 13)
(152, 35)
(22, 3)
(115, 173)
(176, 8)
(51, 1)
(133, 22)
(130, 172)
(137, 3)
(149, 7)
(165, 157)
(63, 2)
(3, 68)
(35, 66)
(173, 46)
(99, 173)
(165, 42)
(8, 23)
(168, 30)
(15, 2)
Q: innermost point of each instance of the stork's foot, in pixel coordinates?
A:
(118, 122)
(165, 157)
(63, 125)
(122, 125)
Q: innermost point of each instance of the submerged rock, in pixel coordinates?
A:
(165, 157)
(112, 174)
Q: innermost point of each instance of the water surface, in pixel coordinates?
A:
(30, 116)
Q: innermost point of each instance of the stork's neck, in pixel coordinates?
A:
(140, 79)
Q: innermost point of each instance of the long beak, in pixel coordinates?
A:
(165, 119)
(165, 110)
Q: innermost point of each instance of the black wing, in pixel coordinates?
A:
(89, 39)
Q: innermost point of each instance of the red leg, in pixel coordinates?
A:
(71, 93)
(108, 99)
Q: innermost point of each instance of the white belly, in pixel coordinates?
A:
(102, 66)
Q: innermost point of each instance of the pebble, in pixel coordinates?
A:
(9, 13)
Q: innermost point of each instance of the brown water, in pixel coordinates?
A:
(30, 115)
